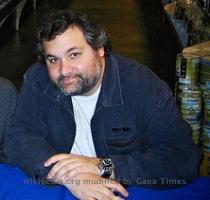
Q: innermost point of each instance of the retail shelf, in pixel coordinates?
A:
(179, 26)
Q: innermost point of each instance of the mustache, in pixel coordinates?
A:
(61, 78)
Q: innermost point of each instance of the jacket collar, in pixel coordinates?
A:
(53, 92)
(111, 93)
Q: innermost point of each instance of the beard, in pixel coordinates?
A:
(82, 84)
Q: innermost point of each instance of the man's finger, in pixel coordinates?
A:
(114, 186)
(55, 159)
(109, 194)
(59, 170)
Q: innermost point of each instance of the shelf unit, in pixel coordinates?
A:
(179, 26)
(202, 49)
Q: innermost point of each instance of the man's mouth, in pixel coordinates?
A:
(67, 80)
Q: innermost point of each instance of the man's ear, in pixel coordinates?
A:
(101, 52)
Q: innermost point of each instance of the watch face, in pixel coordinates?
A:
(107, 161)
(106, 167)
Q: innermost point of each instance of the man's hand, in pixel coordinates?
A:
(89, 186)
(81, 175)
(71, 165)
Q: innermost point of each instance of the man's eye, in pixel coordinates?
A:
(74, 55)
(53, 60)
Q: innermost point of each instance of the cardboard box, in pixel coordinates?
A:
(205, 165)
(202, 49)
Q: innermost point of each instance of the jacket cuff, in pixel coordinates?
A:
(123, 169)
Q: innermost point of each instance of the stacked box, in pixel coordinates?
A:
(188, 93)
(205, 165)
(192, 94)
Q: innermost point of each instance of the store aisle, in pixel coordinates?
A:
(134, 26)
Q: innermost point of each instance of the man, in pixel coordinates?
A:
(8, 95)
(86, 116)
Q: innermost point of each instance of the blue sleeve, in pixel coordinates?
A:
(26, 144)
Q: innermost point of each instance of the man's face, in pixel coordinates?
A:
(73, 65)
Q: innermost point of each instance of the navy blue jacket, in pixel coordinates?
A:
(136, 123)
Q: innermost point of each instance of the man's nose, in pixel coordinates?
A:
(65, 67)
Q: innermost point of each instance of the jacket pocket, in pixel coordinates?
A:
(122, 140)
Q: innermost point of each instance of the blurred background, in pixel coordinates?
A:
(137, 29)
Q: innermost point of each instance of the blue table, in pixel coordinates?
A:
(14, 184)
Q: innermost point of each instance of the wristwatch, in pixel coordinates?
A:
(106, 167)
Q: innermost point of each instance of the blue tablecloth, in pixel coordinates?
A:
(14, 184)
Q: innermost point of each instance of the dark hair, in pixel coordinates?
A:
(57, 22)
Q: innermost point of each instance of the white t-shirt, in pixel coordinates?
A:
(84, 107)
